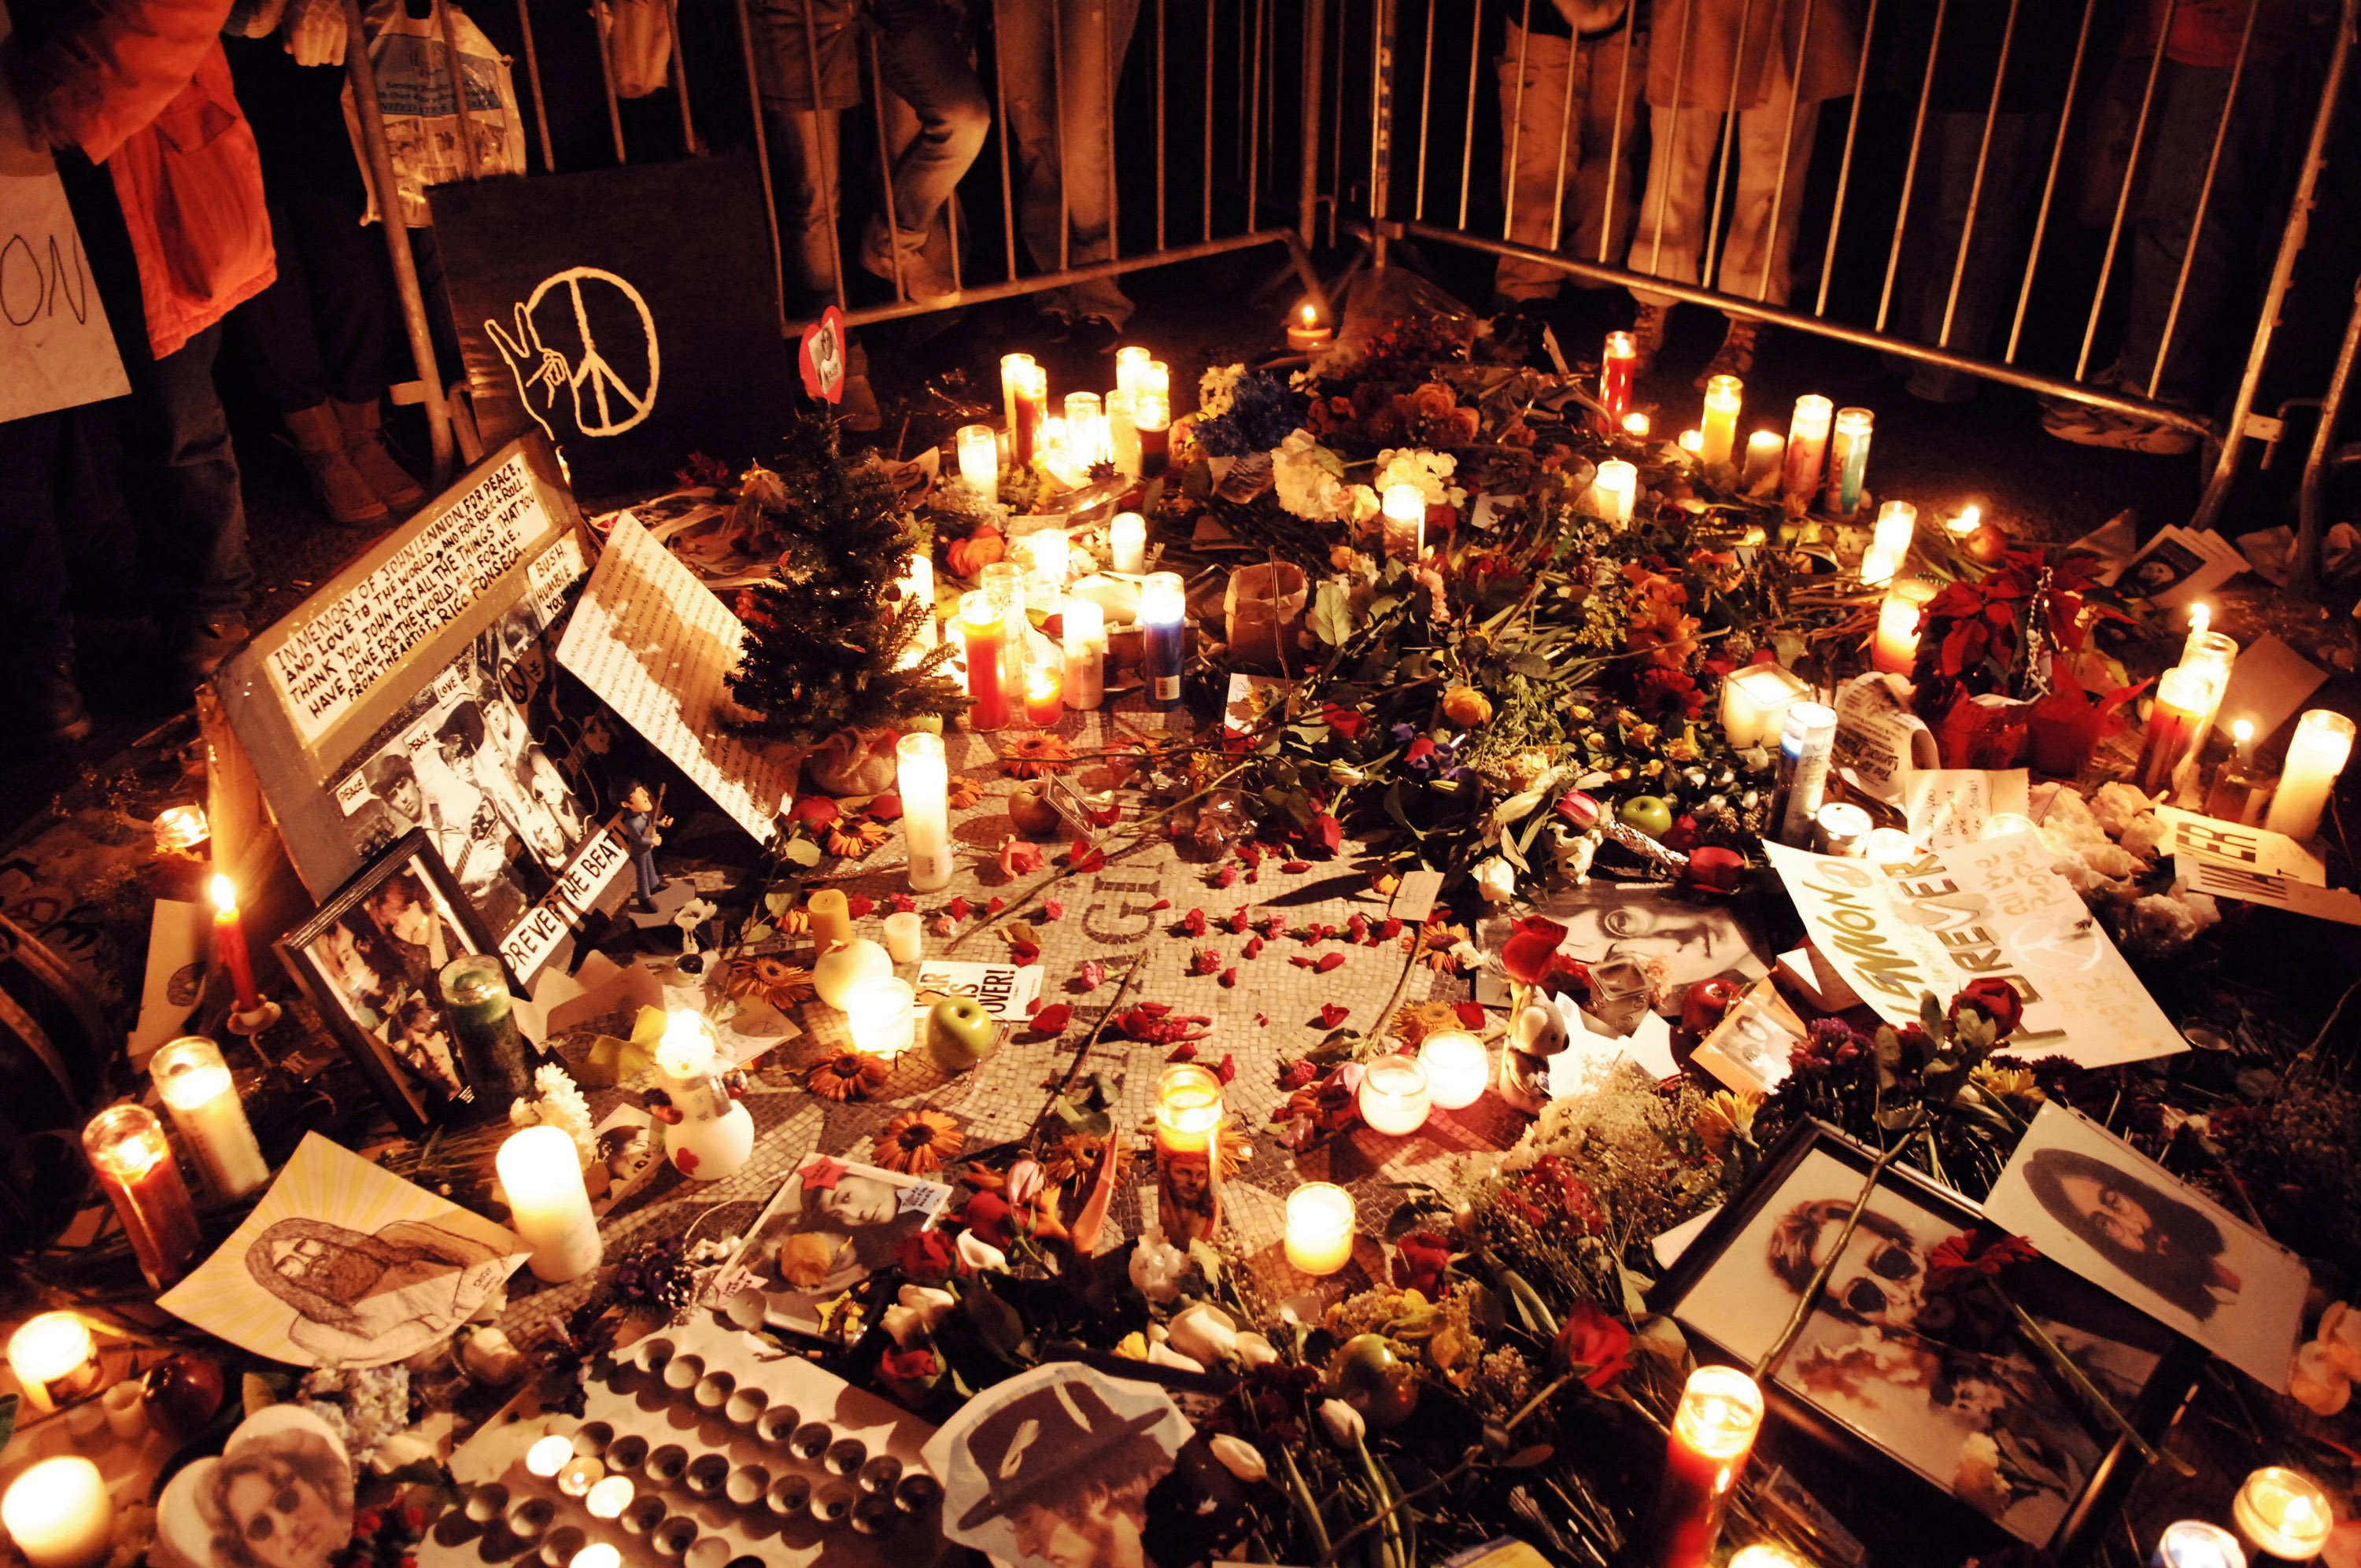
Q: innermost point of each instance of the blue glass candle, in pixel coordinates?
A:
(1163, 617)
(1849, 457)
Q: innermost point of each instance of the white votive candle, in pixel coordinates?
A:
(1614, 491)
(881, 1015)
(1127, 541)
(548, 1455)
(979, 458)
(1052, 552)
(1764, 448)
(1458, 1067)
(548, 1206)
(1887, 846)
(2194, 1543)
(924, 777)
(2282, 1513)
(1405, 521)
(905, 937)
(1394, 1096)
(1755, 700)
(1086, 641)
(608, 1499)
(58, 1514)
(2317, 754)
(1320, 1219)
(54, 1359)
(202, 1102)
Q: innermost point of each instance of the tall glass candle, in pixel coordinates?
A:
(1755, 700)
(1155, 379)
(128, 1149)
(1152, 413)
(54, 1358)
(1085, 429)
(2211, 654)
(2194, 1543)
(1807, 739)
(1127, 541)
(2282, 1513)
(881, 1017)
(1898, 526)
(1052, 552)
(1713, 1430)
(1615, 367)
(1031, 408)
(1188, 1157)
(1394, 1097)
(541, 1171)
(708, 1134)
(1131, 364)
(2316, 755)
(1123, 435)
(2175, 726)
(2240, 789)
(1723, 397)
(201, 1099)
(917, 582)
(923, 775)
(1849, 459)
(1896, 648)
(1320, 1219)
(1015, 374)
(983, 630)
(979, 459)
(1163, 619)
(1004, 582)
(1764, 448)
(1458, 1067)
(483, 1017)
(229, 943)
(1405, 522)
(1086, 642)
(58, 1514)
(1808, 443)
(1614, 489)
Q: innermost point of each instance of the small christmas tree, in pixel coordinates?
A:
(828, 649)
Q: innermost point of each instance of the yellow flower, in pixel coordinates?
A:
(1133, 1346)
(1725, 1118)
(1467, 707)
(2006, 1082)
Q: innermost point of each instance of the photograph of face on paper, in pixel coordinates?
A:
(2116, 1218)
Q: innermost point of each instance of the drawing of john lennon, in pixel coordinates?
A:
(368, 1298)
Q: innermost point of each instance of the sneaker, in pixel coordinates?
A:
(858, 408)
(922, 280)
(207, 644)
(1648, 336)
(1736, 356)
(1095, 334)
(2087, 426)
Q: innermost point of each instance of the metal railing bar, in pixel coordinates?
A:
(1162, 23)
(1844, 164)
(1516, 125)
(2123, 197)
(1710, 257)
(606, 81)
(1467, 133)
(680, 79)
(2204, 200)
(1307, 174)
(1673, 142)
(1254, 123)
(1614, 137)
(532, 75)
(885, 170)
(1787, 149)
(1017, 286)
(1058, 106)
(1425, 113)
(2049, 184)
(762, 166)
(1205, 157)
(825, 146)
(1910, 168)
(999, 96)
(1565, 140)
(1976, 185)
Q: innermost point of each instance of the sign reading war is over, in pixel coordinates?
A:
(631, 313)
(1991, 910)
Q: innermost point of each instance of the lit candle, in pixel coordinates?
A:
(1131, 364)
(1188, 1160)
(180, 829)
(1763, 450)
(54, 1359)
(2174, 728)
(541, 1171)
(2240, 788)
(2315, 756)
(577, 1476)
(981, 630)
(1045, 696)
(2282, 1513)
(1849, 459)
(2211, 654)
(1614, 491)
(229, 942)
(1031, 407)
(831, 911)
(2193, 1543)
(1962, 527)
(1807, 739)
(708, 1134)
(1016, 374)
(1320, 1218)
(1718, 428)
(905, 937)
(1635, 425)
(1155, 379)
(483, 1022)
(979, 459)
(1394, 1096)
(1755, 700)
(548, 1455)
(1050, 445)
(2201, 617)
(1887, 846)
(127, 1147)
(1052, 553)
(1898, 526)
(1405, 522)
(198, 1092)
(1692, 441)
(1085, 642)
(1127, 541)
(1003, 582)
(881, 1017)
(1763, 1554)
(58, 1514)
(1895, 649)
(1843, 828)
(923, 775)
(1152, 413)
(1163, 619)
(1808, 443)
(1085, 429)
(1615, 367)
(1712, 1432)
(1457, 1068)
(917, 582)
(1304, 334)
(1123, 435)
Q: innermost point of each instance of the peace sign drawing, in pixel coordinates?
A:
(612, 388)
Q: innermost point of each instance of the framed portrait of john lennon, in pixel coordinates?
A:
(1923, 1411)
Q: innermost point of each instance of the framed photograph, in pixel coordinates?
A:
(1924, 1411)
(369, 958)
(1749, 1049)
(832, 1223)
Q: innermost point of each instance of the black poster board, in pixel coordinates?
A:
(629, 313)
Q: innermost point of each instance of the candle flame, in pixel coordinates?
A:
(2201, 616)
(1636, 424)
(2243, 731)
(1692, 441)
(224, 892)
(1311, 316)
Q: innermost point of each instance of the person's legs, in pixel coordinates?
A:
(1534, 70)
(1600, 194)
(1756, 255)
(924, 61)
(1665, 234)
(1060, 70)
(2018, 155)
(804, 168)
(36, 651)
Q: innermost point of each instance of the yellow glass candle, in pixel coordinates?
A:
(2173, 727)
(54, 1359)
(1015, 374)
(2282, 1513)
(1457, 1068)
(1127, 541)
(1724, 395)
(58, 1514)
(1123, 433)
(1807, 447)
(1320, 1219)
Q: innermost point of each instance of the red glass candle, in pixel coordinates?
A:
(1032, 407)
(2175, 727)
(127, 1146)
(984, 628)
(1044, 697)
(1615, 368)
(229, 944)
(1152, 415)
(1713, 1431)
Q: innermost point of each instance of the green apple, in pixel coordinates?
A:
(1648, 812)
(1030, 811)
(960, 1032)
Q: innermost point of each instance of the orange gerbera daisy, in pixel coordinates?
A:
(848, 1075)
(917, 1142)
(1038, 756)
(855, 837)
(965, 792)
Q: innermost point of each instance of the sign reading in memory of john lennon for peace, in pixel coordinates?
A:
(1991, 910)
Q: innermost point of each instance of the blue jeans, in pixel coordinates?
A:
(1061, 122)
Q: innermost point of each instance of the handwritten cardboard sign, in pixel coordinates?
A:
(2238, 847)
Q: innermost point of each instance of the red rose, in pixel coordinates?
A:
(815, 811)
(1713, 869)
(1592, 1346)
(926, 1256)
(1966, 1258)
(909, 1375)
(1527, 953)
(990, 1217)
(1996, 1000)
(1421, 1260)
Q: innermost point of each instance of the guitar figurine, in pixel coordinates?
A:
(642, 823)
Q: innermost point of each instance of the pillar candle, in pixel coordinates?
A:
(201, 1099)
(1458, 1067)
(1304, 334)
(541, 1171)
(881, 1017)
(491, 1048)
(1131, 364)
(1614, 491)
(1086, 641)
(1849, 459)
(1188, 1158)
(1713, 1430)
(1032, 407)
(2193, 1543)
(2282, 1513)
(1152, 413)
(1163, 618)
(1320, 1219)
(1636, 425)
(1763, 450)
(2175, 725)
(1405, 522)
(58, 1514)
(1723, 397)
(1807, 739)
(1044, 695)
(1808, 443)
(54, 1359)
(924, 778)
(1896, 648)
(1004, 582)
(831, 911)
(1394, 1096)
(1755, 700)
(2315, 756)
(708, 1134)
(1015, 374)
(905, 937)
(1123, 435)
(229, 943)
(1616, 366)
(979, 459)
(127, 1147)
(983, 630)
(1127, 541)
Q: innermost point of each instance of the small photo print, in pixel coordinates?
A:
(2160, 568)
(2116, 1218)
(833, 1224)
(1677, 942)
(1749, 1049)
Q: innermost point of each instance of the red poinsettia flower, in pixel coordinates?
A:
(1668, 693)
(1592, 1346)
(1422, 1262)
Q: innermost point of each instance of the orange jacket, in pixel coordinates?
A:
(142, 87)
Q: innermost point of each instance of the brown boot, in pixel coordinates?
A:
(343, 494)
(364, 445)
